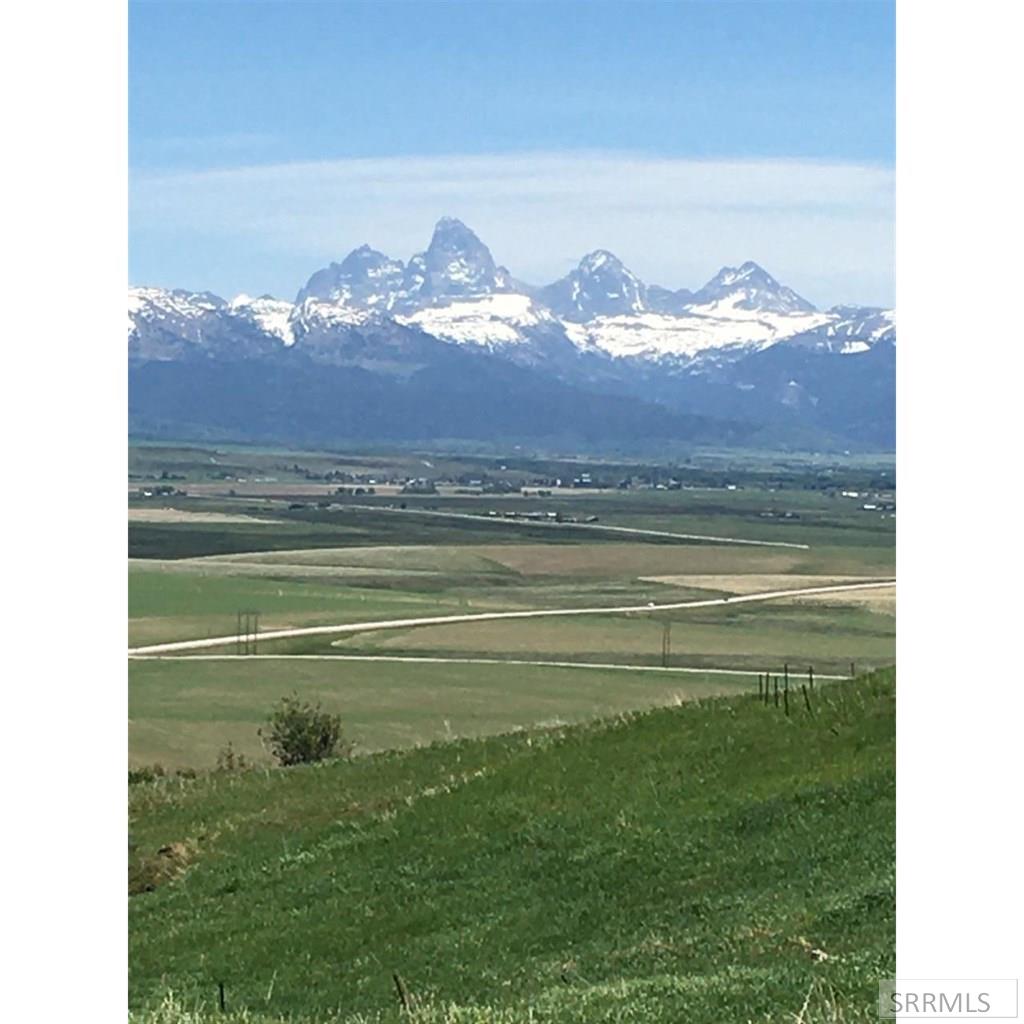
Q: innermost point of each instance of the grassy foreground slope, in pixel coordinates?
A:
(677, 864)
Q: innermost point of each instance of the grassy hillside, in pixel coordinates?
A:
(677, 864)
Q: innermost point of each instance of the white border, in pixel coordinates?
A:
(959, 85)
(64, 435)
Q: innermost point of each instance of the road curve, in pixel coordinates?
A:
(553, 524)
(543, 613)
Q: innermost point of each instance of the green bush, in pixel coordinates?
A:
(299, 733)
(147, 773)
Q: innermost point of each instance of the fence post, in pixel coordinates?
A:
(403, 993)
(220, 996)
(807, 699)
(810, 676)
(776, 679)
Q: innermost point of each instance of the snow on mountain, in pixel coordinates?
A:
(863, 322)
(748, 287)
(270, 315)
(454, 292)
(178, 325)
(365, 277)
(457, 263)
(658, 336)
(317, 314)
(491, 321)
(176, 310)
(600, 286)
(849, 330)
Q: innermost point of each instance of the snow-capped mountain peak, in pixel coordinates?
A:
(750, 287)
(601, 285)
(365, 277)
(457, 263)
(595, 261)
(454, 292)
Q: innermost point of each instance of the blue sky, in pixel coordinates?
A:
(267, 138)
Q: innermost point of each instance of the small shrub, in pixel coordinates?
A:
(230, 760)
(299, 733)
(147, 773)
(156, 772)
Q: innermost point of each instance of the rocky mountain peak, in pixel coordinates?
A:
(601, 285)
(365, 277)
(457, 262)
(750, 287)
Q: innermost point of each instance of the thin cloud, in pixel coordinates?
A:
(823, 227)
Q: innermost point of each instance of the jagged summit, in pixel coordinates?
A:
(457, 262)
(601, 285)
(751, 287)
(455, 230)
(364, 277)
(458, 266)
(455, 291)
(594, 261)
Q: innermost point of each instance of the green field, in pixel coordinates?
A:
(183, 713)
(744, 636)
(629, 838)
(203, 558)
(676, 865)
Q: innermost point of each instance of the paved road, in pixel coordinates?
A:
(413, 660)
(553, 524)
(543, 613)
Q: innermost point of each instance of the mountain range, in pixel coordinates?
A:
(449, 345)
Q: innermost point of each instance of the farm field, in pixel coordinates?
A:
(184, 712)
(711, 862)
(744, 636)
(202, 557)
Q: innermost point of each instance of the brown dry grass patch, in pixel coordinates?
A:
(169, 862)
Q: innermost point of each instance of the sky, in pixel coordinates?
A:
(267, 139)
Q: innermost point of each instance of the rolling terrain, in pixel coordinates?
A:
(714, 861)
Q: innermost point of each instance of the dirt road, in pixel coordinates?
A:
(439, 620)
